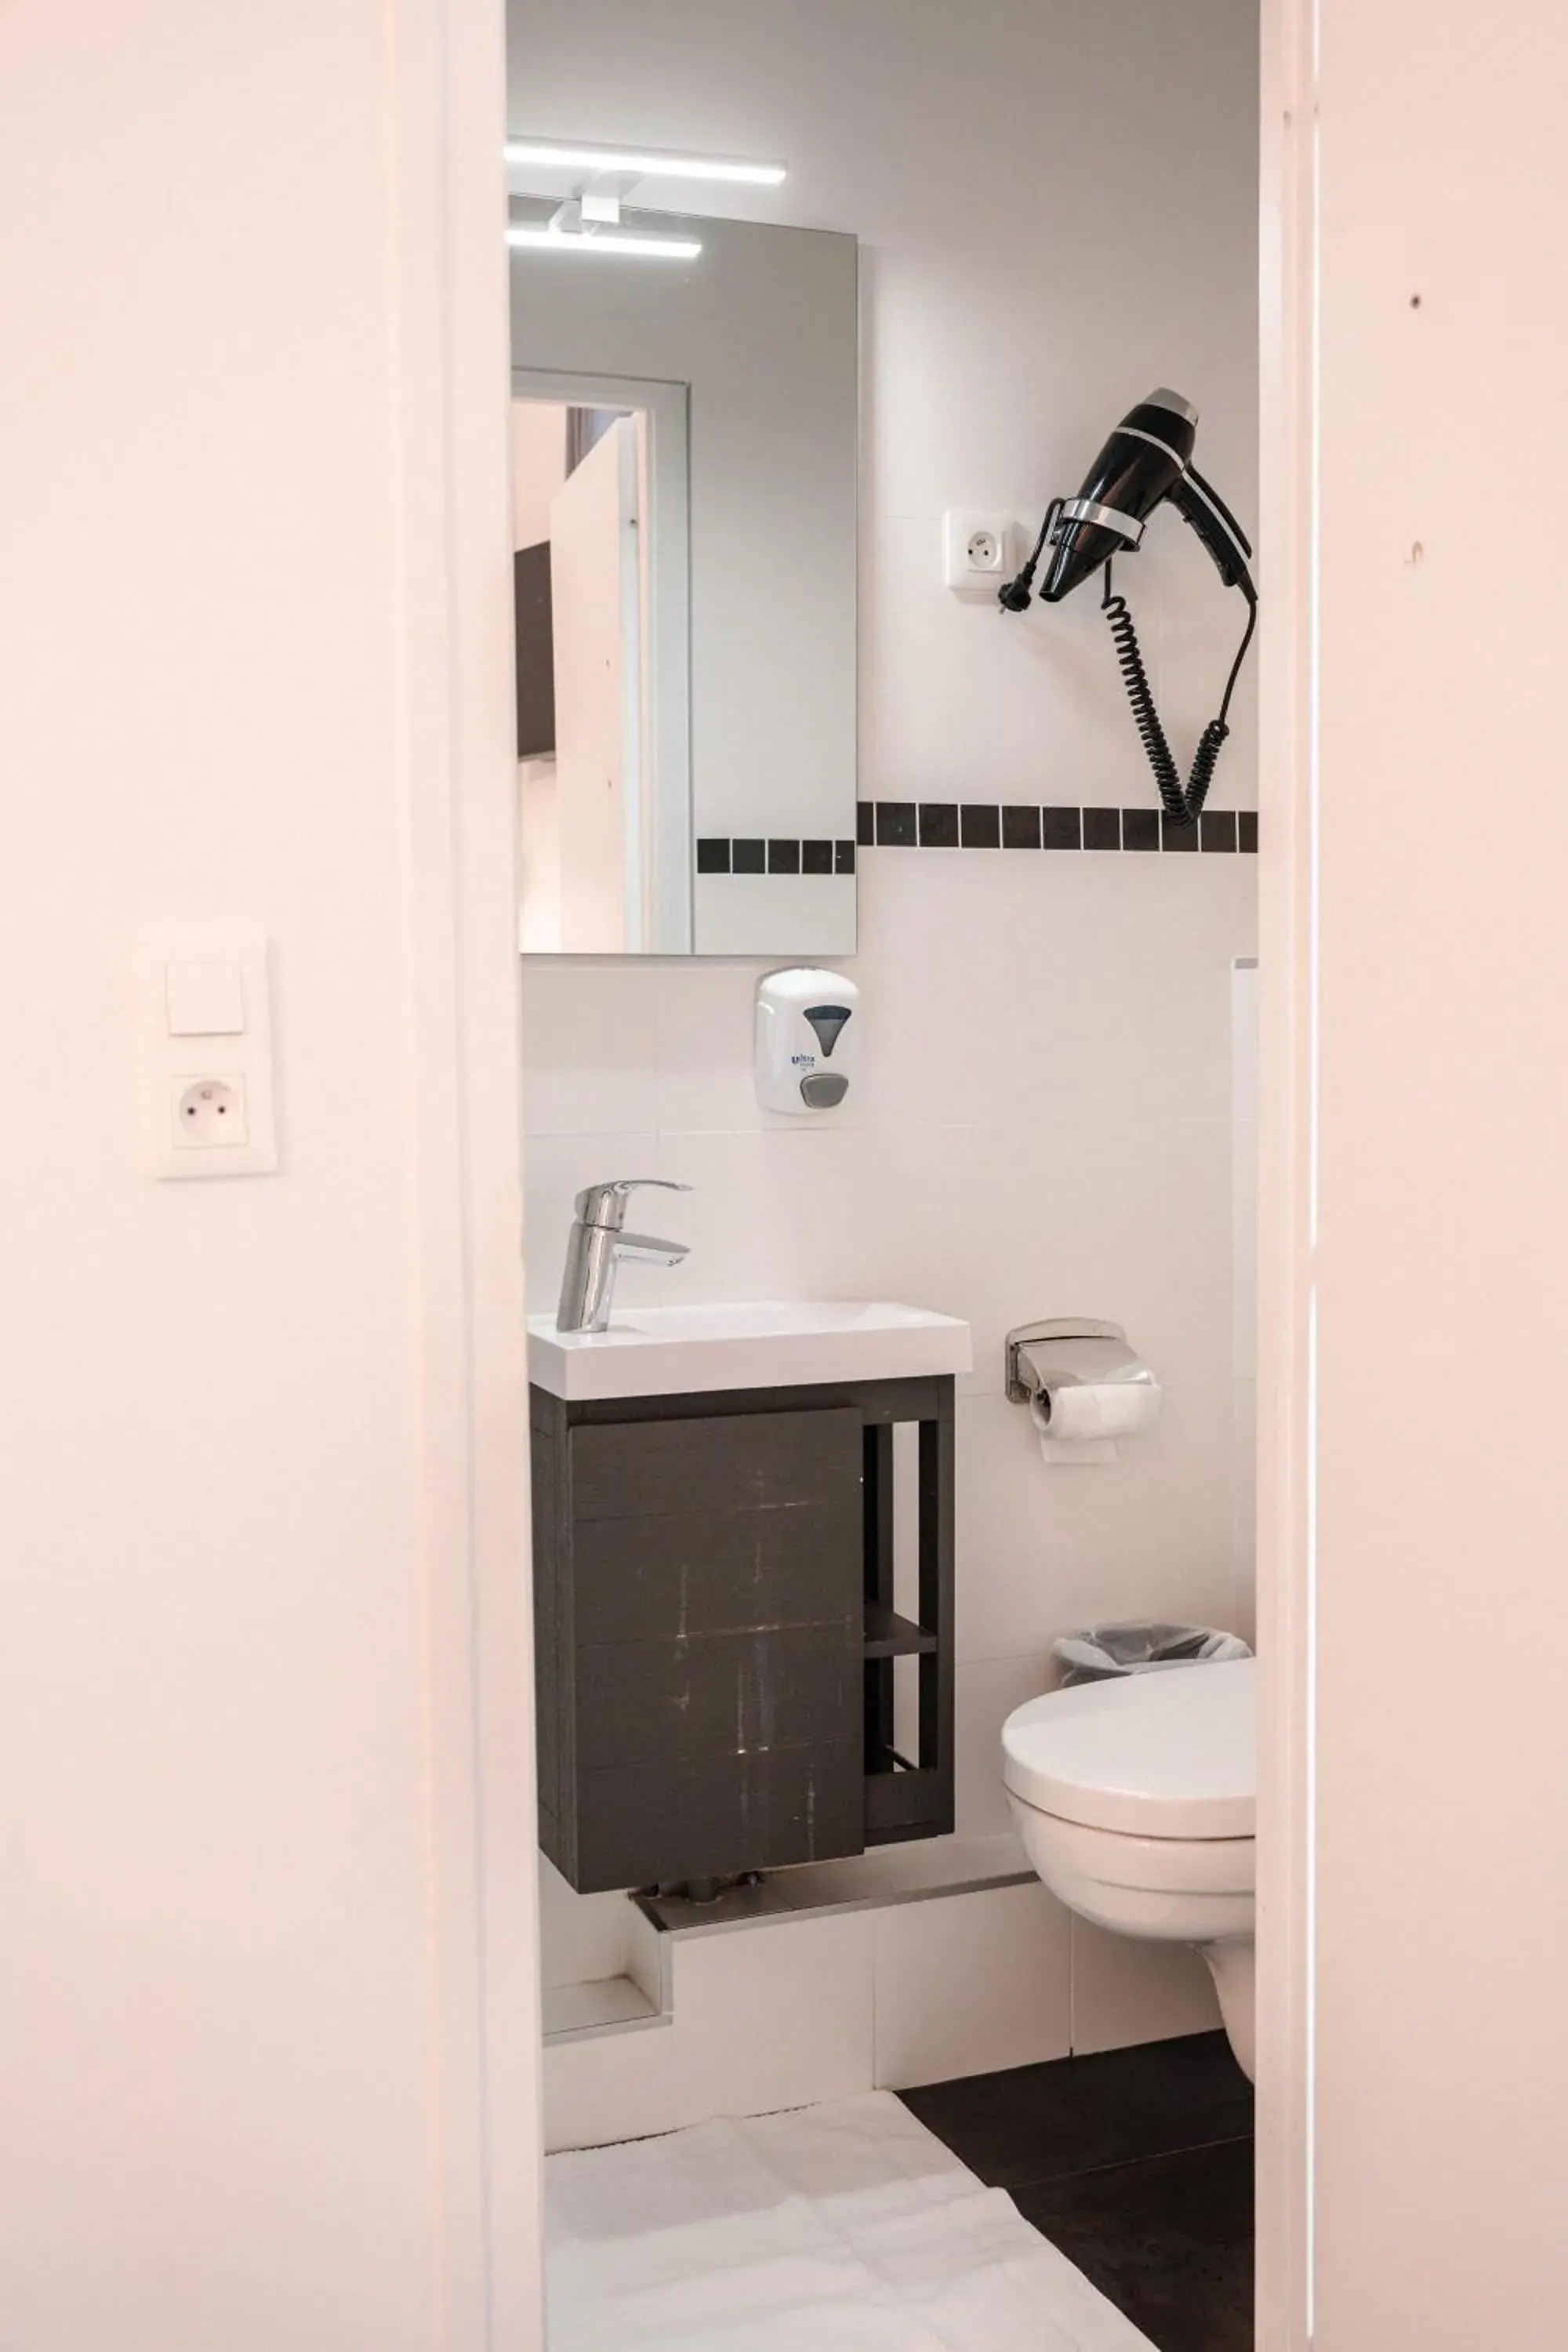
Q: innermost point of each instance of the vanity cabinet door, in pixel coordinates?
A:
(715, 1604)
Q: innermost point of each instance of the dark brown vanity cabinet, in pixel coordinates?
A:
(716, 1629)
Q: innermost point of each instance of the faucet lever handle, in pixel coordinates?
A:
(604, 1205)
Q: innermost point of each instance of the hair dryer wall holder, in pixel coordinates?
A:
(1146, 462)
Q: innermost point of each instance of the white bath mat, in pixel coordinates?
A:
(847, 2228)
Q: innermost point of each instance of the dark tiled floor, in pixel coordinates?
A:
(1138, 2164)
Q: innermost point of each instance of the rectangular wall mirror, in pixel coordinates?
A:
(684, 507)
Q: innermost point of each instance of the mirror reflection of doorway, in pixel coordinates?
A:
(580, 478)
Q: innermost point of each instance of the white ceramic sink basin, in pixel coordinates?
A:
(788, 1343)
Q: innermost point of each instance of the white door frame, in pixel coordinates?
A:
(447, 285)
(1286, 1365)
(485, 1962)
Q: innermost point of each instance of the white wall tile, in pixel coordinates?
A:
(613, 2086)
(1128, 1989)
(970, 1983)
(1043, 1549)
(1128, 1220)
(1244, 1033)
(1244, 1507)
(582, 1937)
(1041, 1012)
(762, 1220)
(703, 1079)
(588, 1033)
(915, 1992)
(648, 1960)
(1243, 1243)
(1245, 1081)
(772, 2017)
(762, 2019)
(825, 1211)
(984, 1694)
(1074, 986)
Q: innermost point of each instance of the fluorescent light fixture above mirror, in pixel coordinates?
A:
(642, 163)
(600, 240)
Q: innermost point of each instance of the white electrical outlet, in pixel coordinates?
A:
(206, 1054)
(209, 1113)
(976, 552)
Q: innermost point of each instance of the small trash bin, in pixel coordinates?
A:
(1102, 1652)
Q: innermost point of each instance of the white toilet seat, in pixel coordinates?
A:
(1169, 1755)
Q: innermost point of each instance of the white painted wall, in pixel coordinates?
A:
(261, 1436)
(1045, 1124)
(1441, 835)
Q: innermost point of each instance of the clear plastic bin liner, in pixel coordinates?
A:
(1104, 1650)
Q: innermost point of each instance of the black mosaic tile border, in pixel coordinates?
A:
(983, 824)
(992, 824)
(720, 854)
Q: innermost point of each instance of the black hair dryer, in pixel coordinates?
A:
(1147, 459)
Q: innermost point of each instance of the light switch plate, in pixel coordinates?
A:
(205, 1000)
(205, 1022)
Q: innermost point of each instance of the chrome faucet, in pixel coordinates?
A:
(596, 1246)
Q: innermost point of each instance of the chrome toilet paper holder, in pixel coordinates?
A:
(1023, 1375)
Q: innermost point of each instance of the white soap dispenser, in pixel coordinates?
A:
(809, 1039)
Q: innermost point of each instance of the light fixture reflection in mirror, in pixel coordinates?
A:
(601, 241)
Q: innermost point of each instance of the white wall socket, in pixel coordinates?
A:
(977, 552)
(209, 1113)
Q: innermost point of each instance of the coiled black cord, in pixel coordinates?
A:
(1181, 802)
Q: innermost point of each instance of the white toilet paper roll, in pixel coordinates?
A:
(1082, 1421)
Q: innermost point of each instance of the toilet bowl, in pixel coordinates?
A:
(1136, 1802)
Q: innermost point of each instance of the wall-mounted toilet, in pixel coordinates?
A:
(1136, 1800)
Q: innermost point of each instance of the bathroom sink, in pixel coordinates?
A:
(788, 1343)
